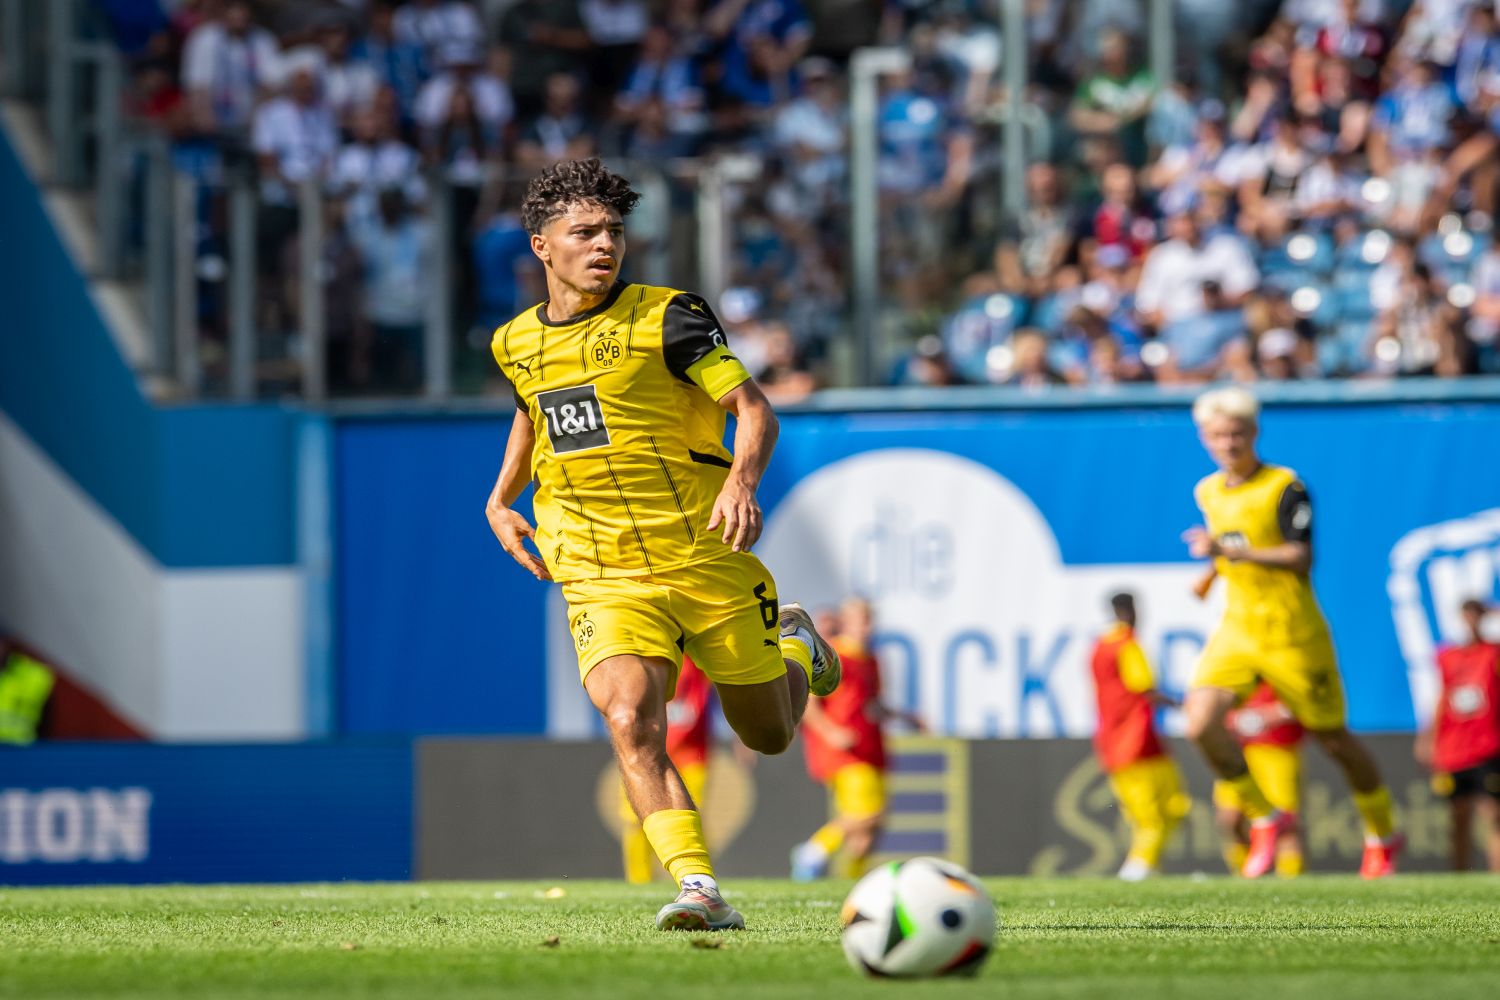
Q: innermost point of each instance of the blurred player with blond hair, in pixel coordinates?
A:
(1258, 530)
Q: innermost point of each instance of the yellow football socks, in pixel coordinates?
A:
(1252, 800)
(1147, 843)
(856, 867)
(830, 837)
(798, 651)
(640, 860)
(1234, 856)
(1375, 808)
(677, 837)
(1288, 864)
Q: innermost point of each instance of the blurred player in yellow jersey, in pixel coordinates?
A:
(1258, 532)
(643, 516)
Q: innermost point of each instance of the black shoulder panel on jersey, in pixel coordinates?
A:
(689, 331)
(1294, 514)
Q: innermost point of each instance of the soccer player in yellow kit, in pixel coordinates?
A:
(643, 516)
(1258, 531)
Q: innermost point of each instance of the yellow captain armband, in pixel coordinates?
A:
(717, 372)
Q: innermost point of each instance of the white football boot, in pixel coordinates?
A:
(827, 670)
(699, 908)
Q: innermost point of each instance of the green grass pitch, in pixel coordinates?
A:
(1328, 937)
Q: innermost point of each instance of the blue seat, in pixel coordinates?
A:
(1312, 251)
(1288, 278)
(1317, 302)
(1352, 290)
(1348, 343)
(1366, 251)
(1453, 252)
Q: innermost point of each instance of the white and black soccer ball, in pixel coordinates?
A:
(923, 917)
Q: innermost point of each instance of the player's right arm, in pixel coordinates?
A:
(509, 526)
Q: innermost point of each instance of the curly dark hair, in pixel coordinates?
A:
(571, 182)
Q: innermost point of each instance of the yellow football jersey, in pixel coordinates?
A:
(629, 454)
(1272, 605)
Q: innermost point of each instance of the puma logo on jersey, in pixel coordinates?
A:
(524, 366)
(726, 357)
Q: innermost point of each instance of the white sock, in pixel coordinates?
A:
(804, 637)
(700, 882)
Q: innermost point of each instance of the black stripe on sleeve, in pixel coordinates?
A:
(1294, 514)
(689, 332)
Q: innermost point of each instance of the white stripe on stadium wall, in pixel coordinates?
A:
(184, 654)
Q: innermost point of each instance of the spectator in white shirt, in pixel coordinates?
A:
(349, 84)
(294, 138)
(462, 70)
(227, 64)
(1191, 290)
(437, 24)
(1484, 315)
(376, 159)
(562, 131)
(811, 130)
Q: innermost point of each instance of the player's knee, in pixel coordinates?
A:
(1201, 728)
(1337, 743)
(768, 738)
(630, 724)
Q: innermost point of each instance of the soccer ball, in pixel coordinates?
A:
(923, 917)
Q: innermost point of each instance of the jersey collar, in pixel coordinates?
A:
(609, 300)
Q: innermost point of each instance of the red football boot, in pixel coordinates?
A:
(1380, 856)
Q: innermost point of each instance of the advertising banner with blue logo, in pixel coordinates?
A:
(988, 541)
(81, 813)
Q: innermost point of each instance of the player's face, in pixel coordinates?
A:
(1230, 441)
(584, 247)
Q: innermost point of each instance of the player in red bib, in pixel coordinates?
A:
(688, 716)
(1144, 778)
(846, 751)
(1463, 745)
(1271, 738)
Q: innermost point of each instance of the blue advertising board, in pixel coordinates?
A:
(136, 813)
(988, 540)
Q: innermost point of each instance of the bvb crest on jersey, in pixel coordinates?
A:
(606, 350)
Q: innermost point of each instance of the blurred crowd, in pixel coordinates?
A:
(1312, 194)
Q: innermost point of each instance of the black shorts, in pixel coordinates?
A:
(1481, 779)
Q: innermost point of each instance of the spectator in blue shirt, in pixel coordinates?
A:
(1412, 119)
(400, 64)
(763, 40)
(505, 268)
(396, 247)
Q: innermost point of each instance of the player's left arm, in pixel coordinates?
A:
(696, 350)
(755, 431)
(1294, 517)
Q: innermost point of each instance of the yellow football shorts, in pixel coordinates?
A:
(722, 613)
(1278, 772)
(858, 791)
(1150, 792)
(1305, 677)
